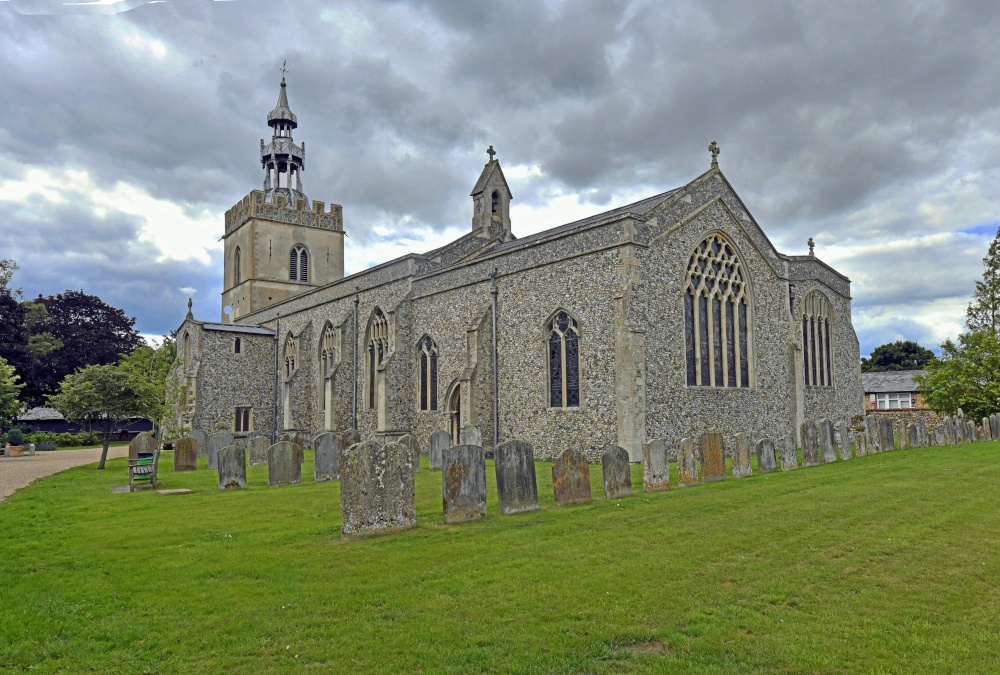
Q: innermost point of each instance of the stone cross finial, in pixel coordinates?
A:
(713, 148)
(491, 152)
(812, 245)
(190, 304)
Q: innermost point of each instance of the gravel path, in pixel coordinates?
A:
(19, 472)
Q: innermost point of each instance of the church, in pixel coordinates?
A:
(660, 319)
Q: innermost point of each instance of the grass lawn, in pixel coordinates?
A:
(879, 564)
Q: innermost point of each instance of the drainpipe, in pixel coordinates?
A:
(354, 407)
(274, 419)
(496, 384)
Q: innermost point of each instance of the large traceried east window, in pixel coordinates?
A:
(717, 331)
(427, 357)
(817, 355)
(563, 343)
(378, 348)
(298, 264)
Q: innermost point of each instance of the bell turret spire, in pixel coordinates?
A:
(282, 160)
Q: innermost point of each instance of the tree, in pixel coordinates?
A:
(13, 336)
(10, 406)
(983, 312)
(898, 355)
(153, 364)
(99, 397)
(967, 376)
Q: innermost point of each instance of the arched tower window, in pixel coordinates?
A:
(716, 316)
(563, 344)
(378, 348)
(817, 342)
(298, 264)
(495, 201)
(427, 358)
(187, 350)
(291, 355)
(237, 278)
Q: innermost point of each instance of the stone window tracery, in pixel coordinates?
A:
(817, 353)
(327, 358)
(563, 345)
(291, 355)
(298, 264)
(717, 330)
(427, 357)
(378, 348)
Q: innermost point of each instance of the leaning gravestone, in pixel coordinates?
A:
(412, 445)
(327, 456)
(376, 489)
(570, 478)
(232, 468)
(617, 473)
(922, 438)
(961, 430)
(810, 443)
(463, 483)
(789, 459)
(516, 485)
(899, 432)
(185, 454)
(200, 442)
(742, 466)
(349, 438)
(843, 442)
(687, 464)
(713, 461)
(283, 466)
(471, 436)
(948, 428)
(912, 436)
(827, 444)
(655, 467)
(872, 433)
(973, 435)
(766, 462)
(257, 447)
(216, 442)
(440, 441)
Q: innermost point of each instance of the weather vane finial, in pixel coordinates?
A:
(284, 69)
(491, 152)
(713, 148)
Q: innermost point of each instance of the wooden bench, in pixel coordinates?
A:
(143, 469)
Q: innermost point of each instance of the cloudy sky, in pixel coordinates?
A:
(130, 126)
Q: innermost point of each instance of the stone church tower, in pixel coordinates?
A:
(276, 244)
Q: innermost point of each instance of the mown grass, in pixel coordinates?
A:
(880, 564)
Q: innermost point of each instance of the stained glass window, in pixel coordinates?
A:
(428, 374)
(564, 361)
(378, 347)
(817, 356)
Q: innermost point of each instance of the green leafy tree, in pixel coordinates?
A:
(99, 397)
(13, 335)
(153, 364)
(898, 355)
(967, 376)
(10, 390)
(984, 310)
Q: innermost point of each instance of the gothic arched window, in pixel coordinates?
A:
(716, 316)
(817, 353)
(327, 359)
(563, 343)
(378, 348)
(428, 359)
(291, 355)
(495, 201)
(298, 264)
(236, 267)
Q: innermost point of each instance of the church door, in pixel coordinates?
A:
(455, 414)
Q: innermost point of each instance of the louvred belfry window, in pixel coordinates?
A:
(298, 264)
(564, 361)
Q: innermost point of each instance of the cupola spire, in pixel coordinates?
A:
(282, 159)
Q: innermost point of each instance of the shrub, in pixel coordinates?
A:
(15, 436)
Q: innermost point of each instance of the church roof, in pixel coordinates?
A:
(282, 111)
(237, 328)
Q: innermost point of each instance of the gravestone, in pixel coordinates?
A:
(376, 489)
(937, 437)
(810, 443)
(900, 433)
(349, 438)
(216, 442)
(912, 436)
(922, 437)
(142, 443)
(873, 444)
(987, 432)
(655, 466)
(200, 439)
(232, 468)
(961, 430)
(861, 445)
(827, 444)
(327, 456)
(687, 464)
(471, 436)
(185, 454)
(742, 466)
(766, 460)
(257, 450)
(570, 478)
(995, 426)
(617, 473)
(972, 436)
(713, 460)
(463, 483)
(440, 441)
(887, 441)
(516, 485)
(789, 459)
(843, 441)
(948, 429)
(283, 466)
(412, 446)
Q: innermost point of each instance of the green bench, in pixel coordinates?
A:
(142, 470)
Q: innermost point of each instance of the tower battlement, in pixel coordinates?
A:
(254, 205)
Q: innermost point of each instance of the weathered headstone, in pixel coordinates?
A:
(789, 458)
(995, 426)
(200, 439)
(516, 485)
(873, 445)
(887, 440)
(327, 456)
(257, 450)
(143, 443)
(810, 443)
(987, 432)
(463, 483)
(216, 442)
(687, 464)
(900, 433)
(349, 438)
(912, 436)
(937, 437)
(440, 441)
(972, 436)
(713, 459)
(961, 430)
(376, 489)
(843, 441)
(471, 436)
(185, 454)
(232, 468)
(412, 446)
(766, 460)
(948, 428)
(827, 444)
(283, 466)
(570, 478)
(922, 438)
(655, 466)
(617, 473)
(861, 445)
(742, 466)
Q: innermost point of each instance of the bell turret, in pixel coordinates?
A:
(282, 160)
